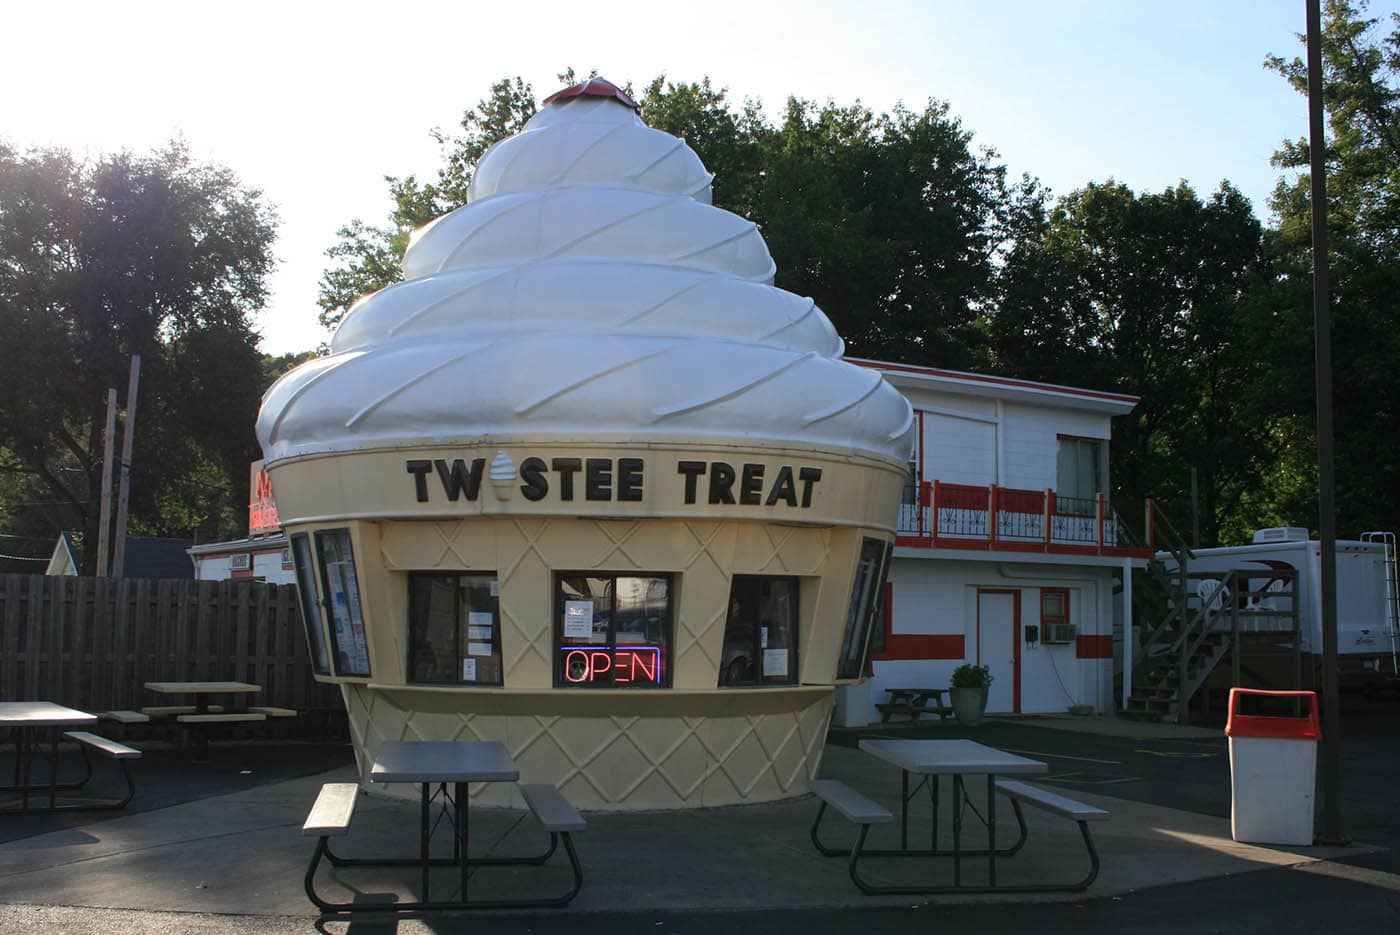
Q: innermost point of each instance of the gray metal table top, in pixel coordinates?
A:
(948, 757)
(41, 714)
(443, 761)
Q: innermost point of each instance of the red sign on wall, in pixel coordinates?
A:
(262, 508)
(603, 665)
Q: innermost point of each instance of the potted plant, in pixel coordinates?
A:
(968, 692)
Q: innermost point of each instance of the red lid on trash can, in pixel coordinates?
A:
(1273, 726)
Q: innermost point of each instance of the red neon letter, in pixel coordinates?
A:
(624, 660)
(640, 663)
(601, 662)
(584, 673)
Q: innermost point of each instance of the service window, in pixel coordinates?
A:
(342, 591)
(760, 633)
(310, 607)
(613, 631)
(454, 630)
(864, 608)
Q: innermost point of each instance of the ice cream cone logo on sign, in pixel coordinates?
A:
(502, 475)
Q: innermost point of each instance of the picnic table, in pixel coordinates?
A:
(914, 702)
(442, 770)
(201, 714)
(30, 718)
(932, 759)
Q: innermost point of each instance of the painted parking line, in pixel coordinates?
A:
(1078, 780)
(1064, 756)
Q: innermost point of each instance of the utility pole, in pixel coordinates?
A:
(1195, 513)
(1331, 832)
(104, 519)
(128, 430)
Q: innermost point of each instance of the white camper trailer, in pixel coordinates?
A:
(1368, 632)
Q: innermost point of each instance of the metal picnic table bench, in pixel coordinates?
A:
(914, 702)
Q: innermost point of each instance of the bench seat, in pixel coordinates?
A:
(553, 810)
(271, 711)
(125, 717)
(232, 717)
(850, 803)
(171, 710)
(104, 746)
(1050, 801)
(88, 743)
(333, 809)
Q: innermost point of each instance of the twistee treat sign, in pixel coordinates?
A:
(620, 479)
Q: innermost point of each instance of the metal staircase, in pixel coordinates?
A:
(1193, 620)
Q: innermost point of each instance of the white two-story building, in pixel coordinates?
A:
(1009, 552)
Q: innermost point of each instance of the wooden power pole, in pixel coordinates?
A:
(104, 519)
(128, 430)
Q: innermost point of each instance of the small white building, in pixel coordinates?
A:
(263, 556)
(1009, 552)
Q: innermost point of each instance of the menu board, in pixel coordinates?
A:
(343, 597)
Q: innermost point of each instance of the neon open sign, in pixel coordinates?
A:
(625, 665)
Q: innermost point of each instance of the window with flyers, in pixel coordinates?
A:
(454, 628)
(866, 594)
(613, 631)
(341, 588)
(760, 632)
(310, 606)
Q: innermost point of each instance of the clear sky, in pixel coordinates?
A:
(313, 103)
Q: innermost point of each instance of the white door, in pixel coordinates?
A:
(996, 648)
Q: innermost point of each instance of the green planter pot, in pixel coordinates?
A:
(968, 705)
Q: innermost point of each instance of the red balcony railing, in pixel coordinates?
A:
(960, 516)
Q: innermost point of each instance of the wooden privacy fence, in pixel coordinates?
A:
(93, 643)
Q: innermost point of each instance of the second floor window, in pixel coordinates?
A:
(1079, 468)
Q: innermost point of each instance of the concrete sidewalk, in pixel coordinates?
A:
(241, 857)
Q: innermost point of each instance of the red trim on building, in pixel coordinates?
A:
(1093, 647)
(910, 646)
(923, 646)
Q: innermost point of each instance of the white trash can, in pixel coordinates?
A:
(1273, 771)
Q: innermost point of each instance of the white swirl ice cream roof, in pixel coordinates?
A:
(587, 287)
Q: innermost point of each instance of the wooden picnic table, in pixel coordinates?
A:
(201, 713)
(914, 702)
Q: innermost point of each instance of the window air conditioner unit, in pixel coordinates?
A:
(243, 561)
(1059, 633)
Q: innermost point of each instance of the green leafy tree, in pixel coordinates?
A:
(1148, 294)
(154, 255)
(368, 258)
(1361, 95)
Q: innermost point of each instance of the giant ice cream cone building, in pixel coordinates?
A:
(588, 484)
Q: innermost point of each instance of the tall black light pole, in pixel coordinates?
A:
(1331, 832)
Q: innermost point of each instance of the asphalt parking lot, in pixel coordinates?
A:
(1190, 773)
